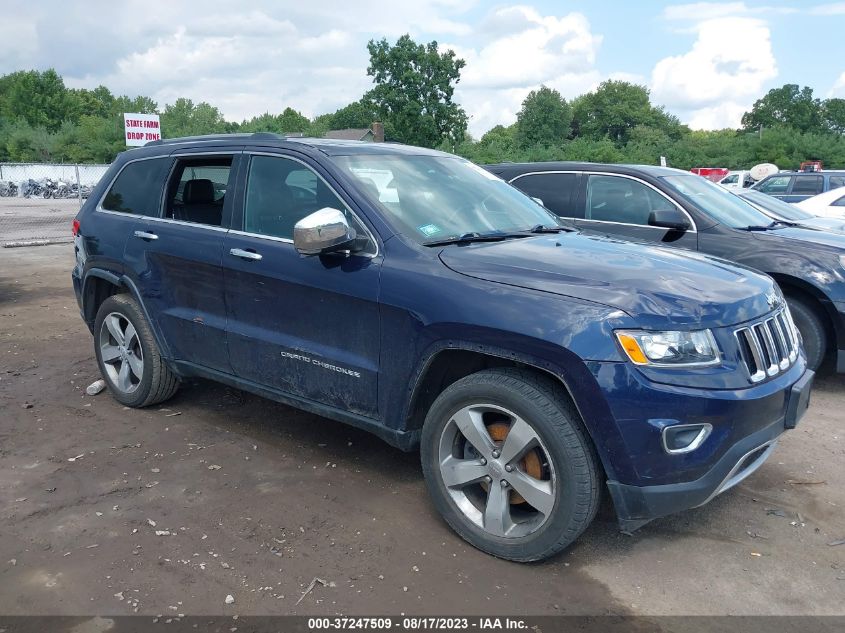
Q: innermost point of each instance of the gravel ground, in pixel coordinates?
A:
(28, 219)
(168, 510)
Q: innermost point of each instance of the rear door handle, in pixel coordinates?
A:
(144, 235)
(239, 252)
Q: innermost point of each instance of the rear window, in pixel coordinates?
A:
(836, 182)
(137, 190)
(807, 185)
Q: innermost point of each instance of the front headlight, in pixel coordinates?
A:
(669, 349)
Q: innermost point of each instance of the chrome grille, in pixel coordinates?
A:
(768, 347)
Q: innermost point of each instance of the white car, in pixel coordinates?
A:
(737, 180)
(830, 204)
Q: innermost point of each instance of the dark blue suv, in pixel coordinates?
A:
(413, 294)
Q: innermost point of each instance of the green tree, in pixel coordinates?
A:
(183, 118)
(39, 98)
(544, 119)
(320, 125)
(292, 121)
(98, 102)
(787, 106)
(834, 115)
(136, 105)
(359, 114)
(614, 109)
(415, 84)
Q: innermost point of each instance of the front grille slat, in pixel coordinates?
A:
(768, 346)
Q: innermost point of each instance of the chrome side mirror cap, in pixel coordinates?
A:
(324, 231)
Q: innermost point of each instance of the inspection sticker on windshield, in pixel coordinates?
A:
(429, 229)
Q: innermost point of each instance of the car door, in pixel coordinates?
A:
(558, 191)
(777, 186)
(306, 326)
(804, 186)
(175, 259)
(134, 193)
(620, 205)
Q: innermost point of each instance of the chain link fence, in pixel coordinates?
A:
(39, 200)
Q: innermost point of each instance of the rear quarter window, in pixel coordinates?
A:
(137, 189)
(557, 191)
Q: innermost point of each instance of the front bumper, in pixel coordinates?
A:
(637, 505)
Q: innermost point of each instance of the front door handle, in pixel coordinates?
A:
(144, 235)
(239, 252)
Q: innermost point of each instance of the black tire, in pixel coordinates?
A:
(539, 402)
(813, 332)
(157, 382)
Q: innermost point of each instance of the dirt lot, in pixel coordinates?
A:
(28, 219)
(167, 510)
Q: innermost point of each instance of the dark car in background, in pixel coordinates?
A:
(674, 208)
(410, 293)
(790, 214)
(800, 185)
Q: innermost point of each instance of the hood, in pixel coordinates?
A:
(656, 286)
(810, 235)
(825, 224)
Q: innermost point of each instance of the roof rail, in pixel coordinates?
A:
(217, 137)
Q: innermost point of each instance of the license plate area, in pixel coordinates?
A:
(798, 400)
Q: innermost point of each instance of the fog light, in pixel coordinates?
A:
(684, 438)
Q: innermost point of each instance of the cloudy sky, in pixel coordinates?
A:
(706, 62)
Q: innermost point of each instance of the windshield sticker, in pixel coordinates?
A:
(429, 229)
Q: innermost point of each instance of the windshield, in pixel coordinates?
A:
(783, 210)
(434, 198)
(717, 202)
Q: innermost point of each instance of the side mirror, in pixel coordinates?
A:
(324, 231)
(671, 218)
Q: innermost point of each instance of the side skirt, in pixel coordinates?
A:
(403, 440)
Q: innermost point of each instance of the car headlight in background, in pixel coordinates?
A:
(669, 349)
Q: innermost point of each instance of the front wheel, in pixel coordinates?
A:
(509, 465)
(813, 332)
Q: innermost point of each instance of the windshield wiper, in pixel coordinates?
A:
(549, 229)
(469, 238)
(768, 227)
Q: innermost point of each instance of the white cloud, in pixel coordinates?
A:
(696, 11)
(522, 50)
(700, 11)
(838, 89)
(720, 77)
(835, 8)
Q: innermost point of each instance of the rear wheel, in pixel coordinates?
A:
(813, 332)
(128, 355)
(509, 465)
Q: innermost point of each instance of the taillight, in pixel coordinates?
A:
(74, 227)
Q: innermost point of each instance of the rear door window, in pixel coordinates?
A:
(557, 191)
(807, 185)
(775, 185)
(137, 190)
(836, 182)
(197, 190)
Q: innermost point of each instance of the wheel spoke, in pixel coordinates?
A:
(497, 513)
(136, 365)
(458, 473)
(520, 439)
(123, 381)
(538, 493)
(113, 324)
(472, 426)
(129, 335)
(109, 353)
